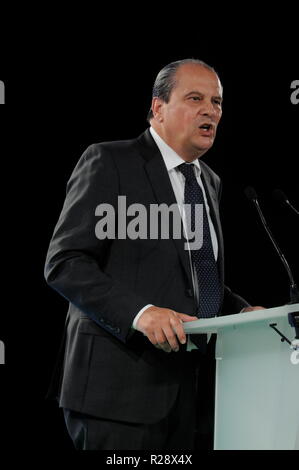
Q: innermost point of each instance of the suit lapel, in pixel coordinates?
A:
(158, 176)
(214, 213)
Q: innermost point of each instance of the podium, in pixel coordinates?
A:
(257, 379)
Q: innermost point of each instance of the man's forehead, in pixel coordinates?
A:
(190, 76)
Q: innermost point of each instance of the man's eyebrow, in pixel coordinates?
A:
(195, 92)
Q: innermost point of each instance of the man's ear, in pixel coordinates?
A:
(157, 107)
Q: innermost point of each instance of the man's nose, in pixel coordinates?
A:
(207, 109)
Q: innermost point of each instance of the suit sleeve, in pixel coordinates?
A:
(232, 302)
(75, 259)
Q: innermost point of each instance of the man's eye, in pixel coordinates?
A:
(195, 98)
(218, 102)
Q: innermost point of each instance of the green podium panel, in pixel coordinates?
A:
(257, 379)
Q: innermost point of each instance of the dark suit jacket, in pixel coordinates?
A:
(108, 370)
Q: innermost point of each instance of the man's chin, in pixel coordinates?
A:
(204, 145)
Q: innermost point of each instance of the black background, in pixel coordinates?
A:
(72, 84)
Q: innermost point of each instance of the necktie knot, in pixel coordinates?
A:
(188, 171)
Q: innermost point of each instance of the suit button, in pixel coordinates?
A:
(189, 293)
(114, 328)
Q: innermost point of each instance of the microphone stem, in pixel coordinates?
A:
(292, 207)
(280, 254)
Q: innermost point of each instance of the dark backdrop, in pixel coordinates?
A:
(63, 97)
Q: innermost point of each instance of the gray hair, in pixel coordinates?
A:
(165, 80)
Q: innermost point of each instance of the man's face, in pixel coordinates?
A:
(188, 122)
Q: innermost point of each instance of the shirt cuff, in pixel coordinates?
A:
(139, 315)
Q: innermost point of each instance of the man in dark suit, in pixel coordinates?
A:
(130, 378)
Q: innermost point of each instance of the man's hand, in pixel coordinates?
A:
(250, 309)
(164, 327)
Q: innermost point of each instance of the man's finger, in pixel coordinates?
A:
(179, 331)
(251, 309)
(184, 317)
(162, 341)
(170, 336)
(164, 346)
(153, 340)
(151, 337)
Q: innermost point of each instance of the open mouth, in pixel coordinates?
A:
(207, 130)
(206, 127)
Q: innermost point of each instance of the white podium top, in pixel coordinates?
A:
(212, 325)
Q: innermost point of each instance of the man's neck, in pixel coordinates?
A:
(187, 157)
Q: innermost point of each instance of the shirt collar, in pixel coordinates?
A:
(171, 158)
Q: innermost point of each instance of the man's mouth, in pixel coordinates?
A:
(206, 126)
(207, 129)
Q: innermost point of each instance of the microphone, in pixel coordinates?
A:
(280, 196)
(294, 292)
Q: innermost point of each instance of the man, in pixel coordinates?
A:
(130, 378)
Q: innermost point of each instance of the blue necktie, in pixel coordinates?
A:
(203, 259)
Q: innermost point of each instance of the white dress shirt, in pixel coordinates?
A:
(172, 160)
